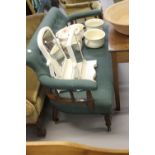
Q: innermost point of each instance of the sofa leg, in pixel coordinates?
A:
(41, 131)
(108, 122)
(55, 115)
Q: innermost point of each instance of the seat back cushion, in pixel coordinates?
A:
(32, 22)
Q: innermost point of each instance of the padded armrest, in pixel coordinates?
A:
(75, 16)
(29, 108)
(67, 84)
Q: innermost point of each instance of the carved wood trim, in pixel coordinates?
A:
(89, 101)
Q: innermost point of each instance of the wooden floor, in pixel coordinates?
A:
(66, 148)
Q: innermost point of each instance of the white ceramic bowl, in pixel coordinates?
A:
(63, 33)
(79, 31)
(94, 23)
(118, 15)
(94, 38)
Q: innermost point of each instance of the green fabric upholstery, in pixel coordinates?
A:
(104, 93)
(102, 89)
(67, 84)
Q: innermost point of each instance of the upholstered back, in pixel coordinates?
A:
(32, 22)
(34, 58)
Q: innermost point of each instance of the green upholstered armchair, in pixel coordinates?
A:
(35, 94)
(35, 97)
(77, 96)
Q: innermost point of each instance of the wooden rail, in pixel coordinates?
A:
(68, 148)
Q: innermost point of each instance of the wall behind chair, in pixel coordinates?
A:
(123, 70)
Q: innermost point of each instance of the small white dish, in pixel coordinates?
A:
(94, 23)
(63, 33)
(94, 38)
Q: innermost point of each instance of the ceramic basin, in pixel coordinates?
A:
(94, 23)
(118, 15)
(94, 38)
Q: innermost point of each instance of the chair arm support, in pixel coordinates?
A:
(29, 108)
(96, 12)
(67, 84)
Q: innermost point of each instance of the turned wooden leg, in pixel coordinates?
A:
(55, 115)
(90, 101)
(108, 121)
(116, 82)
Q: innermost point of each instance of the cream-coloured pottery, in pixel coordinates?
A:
(63, 33)
(94, 23)
(94, 38)
(118, 16)
(60, 65)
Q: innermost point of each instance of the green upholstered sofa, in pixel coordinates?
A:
(86, 97)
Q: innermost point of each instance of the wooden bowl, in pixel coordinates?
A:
(118, 16)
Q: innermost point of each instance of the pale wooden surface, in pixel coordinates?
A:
(117, 41)
(68, 148)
